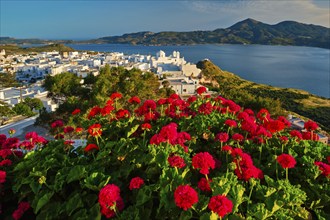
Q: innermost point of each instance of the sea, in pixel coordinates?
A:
(299, 67)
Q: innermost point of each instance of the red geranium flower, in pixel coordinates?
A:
(231, 123)
(221, 205)
(297, 134)
(263, 115)
(134, 100)
(5, 153)
(174, 96)
(200, 90)
(57, 124)
(176, 161)
(310, 125)
(68, 129)
(325, 168)
(275, 126)
(3, 175)
(204, 185)
(237, 137)
(76, 111)
(122, 113)
(94, 111)
(203, 161)
(286, 160)
(109, 199)
(79, 130)
(5, 162)
(90, 147)
(116, 95)
(222, 137)
(95, 130)
(22, 207)
(185, 197)
(136, 183)
(191, 99)
(106, 110)
(146, 126)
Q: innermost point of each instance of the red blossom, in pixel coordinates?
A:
(122, 113)
(3, 175)
(237, 137)
(222, 137)
(176, 161)
(203, 161)
(22, 208)
(90, 147)
(275, 126)
(68, 129)
(136, 183)
(76, 111)
(286, 161)
(94, 111)
(174, 96)
(5, 162)
(285, 121)
(310, 125)
(4, 153)
(79, 130)
(185, 197)
(3, 138)
(134, 100)
(204, 185)
(221, 205)
(116, 95)
(263, 115)
(205, 108)
(109, 199)
(227, 148)
(309, 135)
(231, 123)
(11, 143)
(106, 110)
(146, 126)
(200, 90)
(192, 99)
(57, 124)
(296, 134)
(325, 168)
(95, 130)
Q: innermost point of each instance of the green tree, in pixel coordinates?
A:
(33, 103)
(8, 80)
(23, 109)
(62, 86)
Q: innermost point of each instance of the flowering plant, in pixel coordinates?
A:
(204, 158)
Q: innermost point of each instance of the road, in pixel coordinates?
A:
(24, 126)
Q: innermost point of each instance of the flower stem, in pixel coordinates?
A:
(287, 174)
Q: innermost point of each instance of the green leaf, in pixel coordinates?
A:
(133, 129)
(74, 203)
(43, 200)
(185, 215)
(76, 173)
(35, 186)
(143, 196)
(95, 213)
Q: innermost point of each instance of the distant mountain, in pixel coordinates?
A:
(11, 40)
(248, 31)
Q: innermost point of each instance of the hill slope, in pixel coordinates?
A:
(248, 31)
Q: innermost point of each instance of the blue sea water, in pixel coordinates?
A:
(306, 68)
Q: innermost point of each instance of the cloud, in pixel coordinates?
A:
(269, 11)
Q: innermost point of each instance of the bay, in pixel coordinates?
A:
(306, 68)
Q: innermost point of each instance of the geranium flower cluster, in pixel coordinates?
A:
(169, 134)
(110, 200)
(245, 168)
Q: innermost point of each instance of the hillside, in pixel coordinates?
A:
(278, 100)
(248, 31)
(14, 49)
(11, 40)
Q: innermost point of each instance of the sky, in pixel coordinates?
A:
(87, 19)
